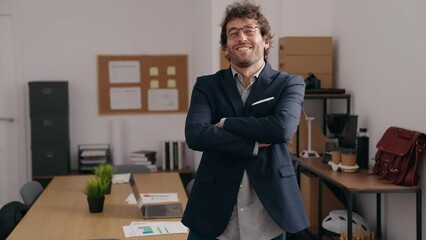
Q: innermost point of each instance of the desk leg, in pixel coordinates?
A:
(419, 214)
(319, 208)
(324, 121)
(348, 105)
(379, 215)
(350, 209)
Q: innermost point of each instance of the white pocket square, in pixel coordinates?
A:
(263, 100)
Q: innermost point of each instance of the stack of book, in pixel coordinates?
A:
(175, 154)
(145, 157)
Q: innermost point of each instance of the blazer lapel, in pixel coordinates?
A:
(231, 91)
(265, 78)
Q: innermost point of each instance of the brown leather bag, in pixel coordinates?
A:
(399, 154)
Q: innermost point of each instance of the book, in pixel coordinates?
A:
(166, 155)
(143, 157)
(139, 159)
(175, 155)
(144, 153)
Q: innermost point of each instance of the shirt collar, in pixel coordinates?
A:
(255, 76)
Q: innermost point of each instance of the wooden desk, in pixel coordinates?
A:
(61, 212)
(359, 182)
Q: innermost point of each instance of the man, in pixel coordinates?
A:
(242, 118)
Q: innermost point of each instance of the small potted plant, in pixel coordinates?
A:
(95, 191)
(105, 172)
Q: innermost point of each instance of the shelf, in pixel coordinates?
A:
(324, 98)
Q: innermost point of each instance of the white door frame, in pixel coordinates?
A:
(14, 166)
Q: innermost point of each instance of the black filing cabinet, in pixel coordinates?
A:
(50, 140)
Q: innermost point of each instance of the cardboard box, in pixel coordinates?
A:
(309, 191)
(305, 64)
(224, 63)
(306, 45)
(318, 138)
(302, 55)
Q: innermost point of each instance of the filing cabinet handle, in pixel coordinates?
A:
(49, 154)
(47, 122)
(46, 91)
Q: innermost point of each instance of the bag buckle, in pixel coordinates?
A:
(420, 144)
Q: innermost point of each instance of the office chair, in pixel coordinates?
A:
(129, 168)
(30, 191)
(10, 215)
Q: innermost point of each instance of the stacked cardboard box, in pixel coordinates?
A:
(224, 63)
(302, 55)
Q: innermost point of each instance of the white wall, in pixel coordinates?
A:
(381, 60)
(13, 160)
(61, 39)
(308, 18)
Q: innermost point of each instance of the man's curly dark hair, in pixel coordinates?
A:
(247, 10)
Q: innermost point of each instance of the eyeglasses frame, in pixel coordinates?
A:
(241, 28)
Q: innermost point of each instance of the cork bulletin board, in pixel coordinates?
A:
(137, 84)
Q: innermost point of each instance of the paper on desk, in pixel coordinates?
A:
(120, 178)
(137, 229)
(154, 198)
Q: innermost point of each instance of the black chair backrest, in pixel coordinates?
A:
(10, 215)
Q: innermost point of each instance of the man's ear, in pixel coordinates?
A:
(225, 52)
(267, 42)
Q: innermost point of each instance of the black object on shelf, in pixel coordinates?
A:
(325, 91)
(362, 143)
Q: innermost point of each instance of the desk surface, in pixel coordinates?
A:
(361, 180)
(62, 212)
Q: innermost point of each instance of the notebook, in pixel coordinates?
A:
(155, 209)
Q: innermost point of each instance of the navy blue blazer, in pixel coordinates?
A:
(228, 151)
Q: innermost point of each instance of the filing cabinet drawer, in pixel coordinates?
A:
(50, 160)
(48, 97)
(49, 129)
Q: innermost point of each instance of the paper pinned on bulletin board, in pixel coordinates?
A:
(163, 99)
(124, 72)
(125, 98)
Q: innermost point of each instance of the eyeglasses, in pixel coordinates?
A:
(248, 30)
